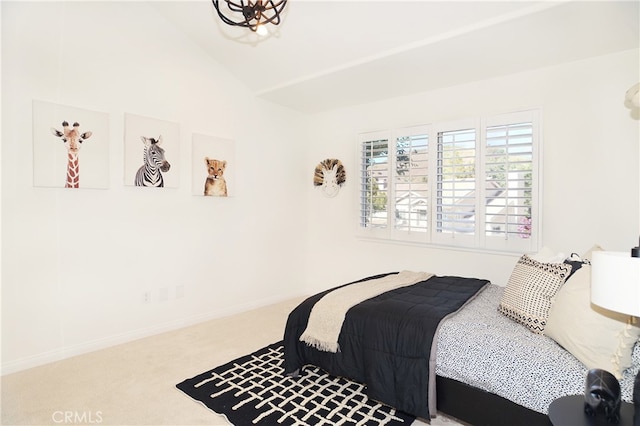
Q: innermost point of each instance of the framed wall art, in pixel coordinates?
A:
(213, 166)
(70, 147)
(152, 152)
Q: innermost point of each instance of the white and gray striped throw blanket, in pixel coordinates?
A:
(327, 315)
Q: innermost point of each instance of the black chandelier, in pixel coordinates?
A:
(250, 14)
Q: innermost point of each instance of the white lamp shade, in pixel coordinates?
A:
(615, 281)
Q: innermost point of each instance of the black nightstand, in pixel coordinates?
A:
(569, 411)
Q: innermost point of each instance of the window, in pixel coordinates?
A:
(510, 179)
(374, 183)
(411, 193)
(466, 184)
(456, 185)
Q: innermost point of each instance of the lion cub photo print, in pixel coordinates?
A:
(70, 147)
(213, 166)
(215, 184)
(152, 149)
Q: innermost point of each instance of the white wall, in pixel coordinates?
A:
(591, 165)
(74, 262)
(73, 267)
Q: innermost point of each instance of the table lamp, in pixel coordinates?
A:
(615, 285)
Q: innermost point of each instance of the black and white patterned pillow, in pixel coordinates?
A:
(530, 291)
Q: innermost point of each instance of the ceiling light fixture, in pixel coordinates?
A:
(250, 14)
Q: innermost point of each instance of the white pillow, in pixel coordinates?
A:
(589, 254)
(597, 337)
(548, 255)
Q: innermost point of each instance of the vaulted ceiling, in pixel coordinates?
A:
(328, 54)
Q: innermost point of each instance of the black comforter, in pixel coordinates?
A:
(385, 341)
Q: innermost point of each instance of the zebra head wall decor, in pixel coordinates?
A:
(330, 175)
(154, 162)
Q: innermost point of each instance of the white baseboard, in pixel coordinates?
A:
(103, 343)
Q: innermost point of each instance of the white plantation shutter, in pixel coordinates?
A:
(374, 183)
(510, 170)
(411, 184)
(456, 187)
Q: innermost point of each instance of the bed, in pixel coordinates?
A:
(505, 371)
(382, 340)
(480, 365)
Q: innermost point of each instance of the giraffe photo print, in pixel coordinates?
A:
(70, 147)
(152, 149)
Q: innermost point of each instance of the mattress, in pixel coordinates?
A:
(483, 348)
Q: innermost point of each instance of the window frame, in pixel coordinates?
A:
(479, 240)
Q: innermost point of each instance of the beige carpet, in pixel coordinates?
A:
(134, 383)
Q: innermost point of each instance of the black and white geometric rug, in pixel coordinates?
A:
(253, 390)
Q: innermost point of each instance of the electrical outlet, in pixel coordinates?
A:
(179, 291)
(146, 297)
(163, 294)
